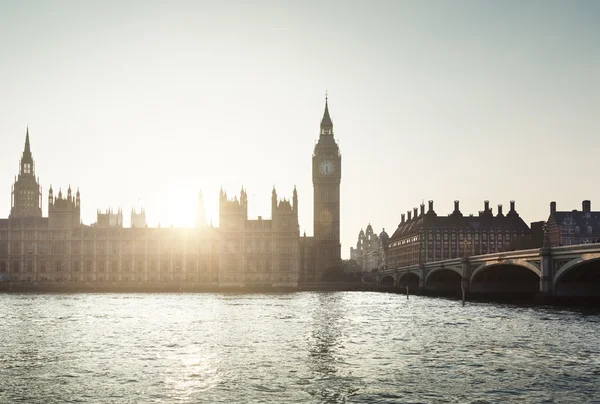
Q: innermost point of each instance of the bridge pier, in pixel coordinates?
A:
(466, 274)
(547, 279)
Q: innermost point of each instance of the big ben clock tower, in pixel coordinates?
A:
(327, 174)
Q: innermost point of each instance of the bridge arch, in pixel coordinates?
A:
(405, 275)
(437, 270)
(579, 277)
(524, 264)
(410, 280)
(444, 280)
(387, 281)
(507, 278)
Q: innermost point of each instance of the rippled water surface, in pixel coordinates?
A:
(298, 347)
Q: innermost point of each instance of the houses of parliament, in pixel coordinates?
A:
(241, 252)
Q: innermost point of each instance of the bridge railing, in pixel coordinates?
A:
(450, 262)
(577, 247)
(473, 258)
(505, 254)
(571, 249)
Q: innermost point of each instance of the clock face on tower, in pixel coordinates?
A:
(326, 167)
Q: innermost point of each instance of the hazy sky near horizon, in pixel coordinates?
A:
(146, 103)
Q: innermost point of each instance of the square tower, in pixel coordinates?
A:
(327, 175)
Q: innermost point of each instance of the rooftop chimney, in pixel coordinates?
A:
(408, 215)
(402, 220)
(512, 206)
(430, 206)
(486, 206)
(456, 206)
(500, 210)
(586, 206)
(415, 212)
(422, 209)
(552, 208)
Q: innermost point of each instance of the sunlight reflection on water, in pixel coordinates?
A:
(297, 347)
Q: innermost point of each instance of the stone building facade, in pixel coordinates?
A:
(109, 219)
(575, 226)
(369, 253)
(322, 252)
(138, 219)
(262, 251)
(426, 237)
(242, 252)
(26, 195)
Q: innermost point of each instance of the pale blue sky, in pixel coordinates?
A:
(148, 102)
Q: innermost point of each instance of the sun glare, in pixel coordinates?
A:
(178, 207)
(179, 211)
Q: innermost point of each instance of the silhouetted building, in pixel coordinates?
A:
(138, 219)
(369, 252)
(322, 253)
(425, 237)
(109, 219)
(533, 240)
(574, 227)
(241, 252)
(259, 252)
(26, 195)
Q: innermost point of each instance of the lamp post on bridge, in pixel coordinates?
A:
(546, 280)
(466, 273)
(546, 231)
(421, 259)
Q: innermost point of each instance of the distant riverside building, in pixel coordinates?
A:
(574, 227)
(425, 237)
(241, 252)
(109, 219)
(138, 219)
(369, 253)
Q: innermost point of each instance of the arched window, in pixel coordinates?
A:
(589, 229)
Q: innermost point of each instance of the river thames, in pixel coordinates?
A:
(296, 347)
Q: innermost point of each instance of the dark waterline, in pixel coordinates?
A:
(293, 347)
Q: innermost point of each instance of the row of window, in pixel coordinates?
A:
(483, 241)
(67, 235)
(454, 236)
(114, 267)
(122, 278)
(33, 235)
(28, 195)
(128, 266)
(576, 229)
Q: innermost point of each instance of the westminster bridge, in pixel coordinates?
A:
(570, 271)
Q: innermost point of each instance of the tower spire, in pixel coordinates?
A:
(326, 121)
(27, 158)
(27, 147)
